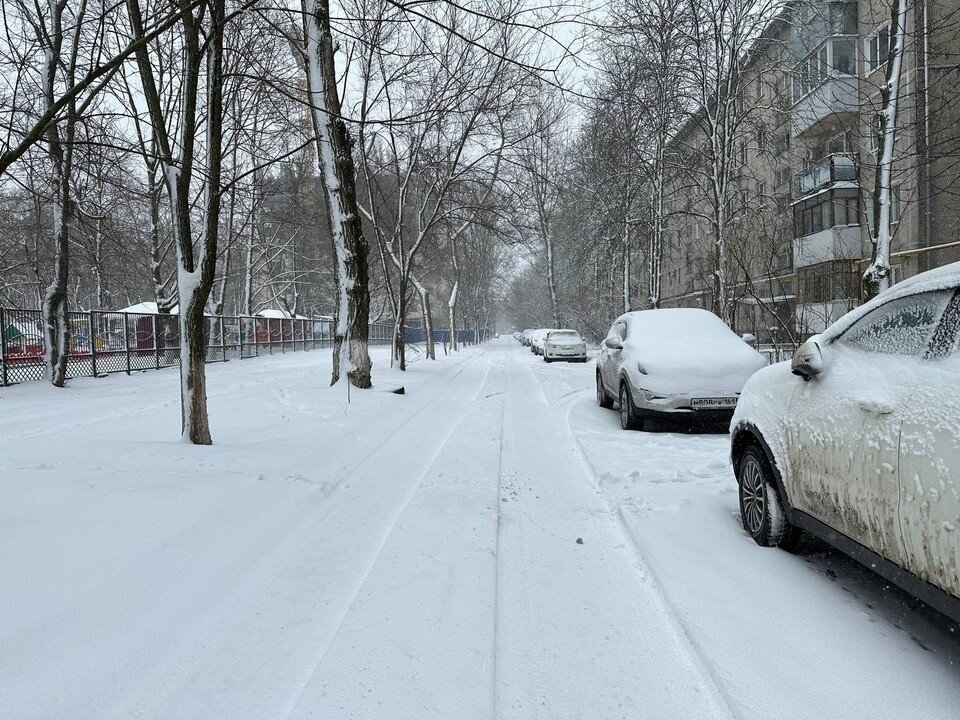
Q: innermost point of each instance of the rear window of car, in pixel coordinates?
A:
(564, 336)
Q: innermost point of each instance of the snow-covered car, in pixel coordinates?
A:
(564, 345)
(683, 363)
(537, 339)
(526, 337)
(857, 440)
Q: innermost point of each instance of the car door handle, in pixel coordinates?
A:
(876, 407)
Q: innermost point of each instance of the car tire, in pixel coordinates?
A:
(603, 399)
(546, 359)
(761, 509)
(628, 414)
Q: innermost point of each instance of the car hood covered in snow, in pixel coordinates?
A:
(686, 350)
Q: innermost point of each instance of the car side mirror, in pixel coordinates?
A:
(613, 343)
(749, 338)
(807, 361)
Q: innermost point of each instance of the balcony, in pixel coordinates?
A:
(825, 83)
(834, 96)
(834, 168)
(837, 243)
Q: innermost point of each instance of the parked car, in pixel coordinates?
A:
(857, 440)
(683, 363)
(537, 339)
(526, 337)
(564, 345)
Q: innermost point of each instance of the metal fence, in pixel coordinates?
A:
(110, 342)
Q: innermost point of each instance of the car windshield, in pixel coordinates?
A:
(568, 335)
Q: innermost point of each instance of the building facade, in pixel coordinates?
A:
(803, 169)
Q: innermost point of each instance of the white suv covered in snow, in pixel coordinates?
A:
(683, 363)
(858, 439)
(564, 345)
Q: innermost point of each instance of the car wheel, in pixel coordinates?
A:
(761, 510)
(603, 400)
(546, 359)
(628, 416)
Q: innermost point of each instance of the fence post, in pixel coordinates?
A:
(156, 338)
(126, 338)
(223, 338)
(240, 336)
(93, 345)
(3, 350)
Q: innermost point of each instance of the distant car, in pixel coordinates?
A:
(682, 363)
(564, 345)
(857, 440)
(526, 337)
(537, 338)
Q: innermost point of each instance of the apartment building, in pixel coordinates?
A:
(803, 187)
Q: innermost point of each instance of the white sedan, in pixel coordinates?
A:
(564, 345)
(858, 439)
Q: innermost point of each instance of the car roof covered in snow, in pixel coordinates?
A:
(675, 322)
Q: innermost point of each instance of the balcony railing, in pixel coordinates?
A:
(834, 168)
(825, 82)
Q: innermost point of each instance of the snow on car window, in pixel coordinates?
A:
(566, 335)
(903, 326)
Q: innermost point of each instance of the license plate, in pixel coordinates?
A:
(713, 403)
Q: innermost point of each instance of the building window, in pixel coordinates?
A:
(826, 210)
(896, 204)
(826, 281)
(846, 210)
(781, 144)
(838, 144)
(843, 18)
(877, 48)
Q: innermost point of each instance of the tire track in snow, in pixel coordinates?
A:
(463, 413)
(639, 666)
(696, 656)
(283, 558)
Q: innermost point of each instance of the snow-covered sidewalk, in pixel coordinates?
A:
(488, 545)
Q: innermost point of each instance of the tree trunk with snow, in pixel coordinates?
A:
(655, 268)
(195, 265)
(431, 351)
(452, 302)
(625, 263)
(877, 275)
(59, 147)
(337, 175)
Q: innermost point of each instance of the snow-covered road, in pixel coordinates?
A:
(488, 545)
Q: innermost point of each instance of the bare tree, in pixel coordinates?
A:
(338, 177)
(175, 136)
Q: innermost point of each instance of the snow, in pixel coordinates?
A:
(147, 308)
(417, 556)
(684, 350)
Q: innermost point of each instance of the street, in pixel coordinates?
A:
(489, 544)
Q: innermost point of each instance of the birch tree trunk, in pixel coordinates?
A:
(877, 276)
(424, 294)
(452, 302)
(337, 175)
(60, 151)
